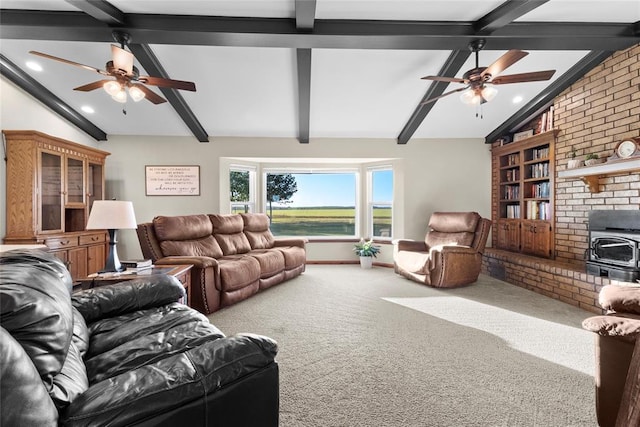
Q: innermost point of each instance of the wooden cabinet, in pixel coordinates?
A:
(522, 195)
(507, 233)
(51, 185)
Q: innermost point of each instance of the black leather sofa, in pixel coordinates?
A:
(127, 354)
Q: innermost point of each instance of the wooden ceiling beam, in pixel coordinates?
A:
(152, 65)
(330, 34)
(100, 10)
(305, 19)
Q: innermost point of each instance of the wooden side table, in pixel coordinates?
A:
(181, 272)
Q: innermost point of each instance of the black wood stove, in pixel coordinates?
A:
(614, 245)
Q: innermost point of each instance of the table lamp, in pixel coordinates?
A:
(112, 215)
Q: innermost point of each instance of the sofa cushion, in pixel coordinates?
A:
(185, 227)
(142, 337)
(454, 222)
(294, 256)
(452, 228)
(238, 271)
(413, 262)
(256, 228)
(271, 261)
(437, 238)
(23, 397)
(227, 230)
(207, 246)
(187, 235)
(37, 311)
(36, 308)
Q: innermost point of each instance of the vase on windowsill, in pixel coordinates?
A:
(367, 251)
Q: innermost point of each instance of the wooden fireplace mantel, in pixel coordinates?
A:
(591, 174)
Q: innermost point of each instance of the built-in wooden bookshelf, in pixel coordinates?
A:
(522, 195)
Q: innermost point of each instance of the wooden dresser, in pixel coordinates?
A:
(51, 186)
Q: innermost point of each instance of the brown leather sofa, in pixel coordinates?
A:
(617, 352)
(233, 256)
(451, 253)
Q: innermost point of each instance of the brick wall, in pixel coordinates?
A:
(593, 115)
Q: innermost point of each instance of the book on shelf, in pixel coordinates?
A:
(136, 263)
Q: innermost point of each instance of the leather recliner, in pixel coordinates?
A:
(617, 355)
(127, 354)
(451, 253)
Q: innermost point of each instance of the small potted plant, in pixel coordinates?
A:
(366, 250)
(592, 159)
(573, 162)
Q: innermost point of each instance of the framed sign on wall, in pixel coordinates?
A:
(172, 180)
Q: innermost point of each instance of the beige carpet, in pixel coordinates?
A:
(369, 348)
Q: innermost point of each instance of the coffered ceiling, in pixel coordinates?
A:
(308, 69)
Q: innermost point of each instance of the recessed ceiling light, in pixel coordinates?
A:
(87, 109)
(517, 99)
(34, 66)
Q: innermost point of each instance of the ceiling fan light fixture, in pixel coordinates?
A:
(489, 92)
(120, 96)
(112, 87)
(136, 93)
(470, 97)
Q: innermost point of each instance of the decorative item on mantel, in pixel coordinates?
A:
(366, 250)
(592, 159)
(573, 162)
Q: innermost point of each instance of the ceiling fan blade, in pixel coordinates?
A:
(92, 86)
(536, 76)
(122, 59)
(174, 84)
(443, 95)
(66, 61)
(505, 61)
(445, 79)
(151, 95)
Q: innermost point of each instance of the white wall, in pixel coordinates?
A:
(445, 175)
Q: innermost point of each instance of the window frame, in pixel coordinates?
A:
(251, 203)
(371, 203)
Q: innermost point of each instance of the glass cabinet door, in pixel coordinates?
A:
(51, 191)
(75, 181)
(95, 184)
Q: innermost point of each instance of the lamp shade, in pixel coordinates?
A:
(111, 214)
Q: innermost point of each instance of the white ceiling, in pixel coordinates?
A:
(253, 91)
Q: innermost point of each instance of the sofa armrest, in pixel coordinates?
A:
(196, 261)
(290, 242)
(410, 245)
(172, 383)
(613, 325)
(454, 265)
(620, 298)
(124, 297)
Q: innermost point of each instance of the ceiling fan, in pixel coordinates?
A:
(126, 75)
(479, 81)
